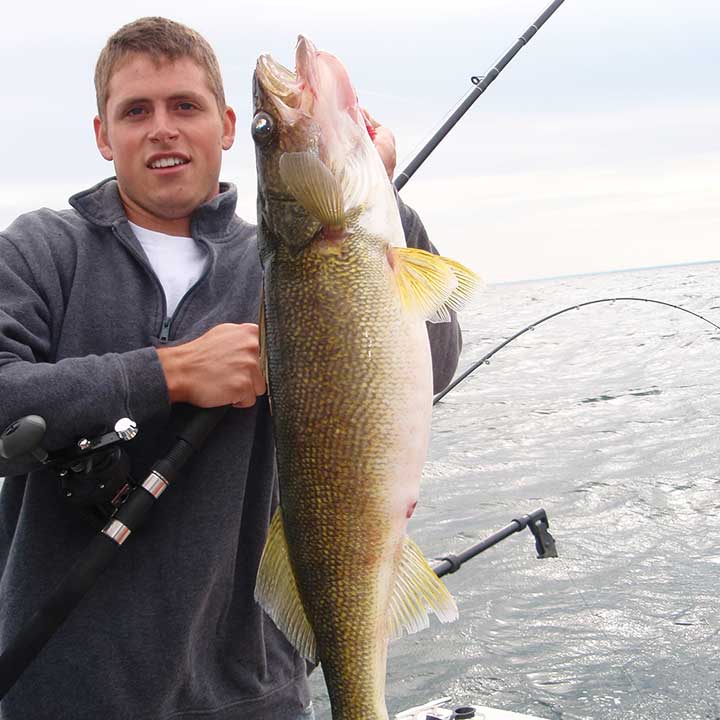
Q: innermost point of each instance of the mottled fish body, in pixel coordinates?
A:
(349, 371)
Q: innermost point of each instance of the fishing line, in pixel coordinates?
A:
(432, 131)
(404, 99)
(485, 360)
(601, 628)
(600, 624)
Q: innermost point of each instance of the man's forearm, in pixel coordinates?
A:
(78, 396)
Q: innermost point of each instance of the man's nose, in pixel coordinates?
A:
(163, 127)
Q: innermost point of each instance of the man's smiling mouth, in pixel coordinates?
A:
(167, 162)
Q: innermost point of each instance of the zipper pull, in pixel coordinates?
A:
(165, 331)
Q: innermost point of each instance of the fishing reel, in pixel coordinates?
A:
(93, 473)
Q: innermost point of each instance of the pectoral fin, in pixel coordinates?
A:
(418, 591)
(314, 187)
(431, 284)
(277, 592)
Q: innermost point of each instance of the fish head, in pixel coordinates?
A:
(312, 148)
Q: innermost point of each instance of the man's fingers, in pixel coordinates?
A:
(245, 403)
(253, 389)
(259, 384)
(221, 367)
(246, 398)
(369, 119)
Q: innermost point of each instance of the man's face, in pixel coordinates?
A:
(165, 134)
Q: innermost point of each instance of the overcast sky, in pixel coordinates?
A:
(597, 149)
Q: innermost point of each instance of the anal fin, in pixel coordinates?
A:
(418, 591)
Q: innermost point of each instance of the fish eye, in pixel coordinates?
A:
(263, 128)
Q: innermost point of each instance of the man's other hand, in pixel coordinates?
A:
(384, 142)
(221, 367)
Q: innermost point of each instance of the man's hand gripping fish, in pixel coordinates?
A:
(348, 362)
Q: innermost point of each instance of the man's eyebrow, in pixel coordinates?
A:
(133, 101)
(189, 94)
(182, 95)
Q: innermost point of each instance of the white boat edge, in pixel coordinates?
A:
(437, 707)
(487, 713)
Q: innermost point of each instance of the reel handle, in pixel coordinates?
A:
(23, 437)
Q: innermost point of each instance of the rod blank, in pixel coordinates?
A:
(482, 84)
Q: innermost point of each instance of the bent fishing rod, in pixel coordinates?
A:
(130, 504)
(486, 358)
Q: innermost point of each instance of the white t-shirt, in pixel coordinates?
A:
(177, 261)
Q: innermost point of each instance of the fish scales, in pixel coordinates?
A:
(339, 358)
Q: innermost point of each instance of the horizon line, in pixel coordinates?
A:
(641, 268)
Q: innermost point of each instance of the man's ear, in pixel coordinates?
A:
(229, 121)
(101, 138)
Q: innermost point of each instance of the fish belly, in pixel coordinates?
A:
(351, 383)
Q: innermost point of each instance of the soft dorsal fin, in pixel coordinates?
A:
(418, 591)
(277, 592)
(431, 284)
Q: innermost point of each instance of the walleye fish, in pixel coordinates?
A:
(348, 365)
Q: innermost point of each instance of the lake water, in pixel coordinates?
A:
(608, 417)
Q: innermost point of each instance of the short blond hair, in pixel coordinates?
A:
(162, 39)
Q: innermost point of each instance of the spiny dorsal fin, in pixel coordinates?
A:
(418, 591)
(277, 592)
(314, 186)
(431, 284)
(262, 338)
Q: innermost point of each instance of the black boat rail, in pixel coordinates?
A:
(536, 521)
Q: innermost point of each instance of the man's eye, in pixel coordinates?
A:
(135, 111)
(186, 106)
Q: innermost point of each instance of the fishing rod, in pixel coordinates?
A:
(23, 438)
(481, 82)
(485, 358)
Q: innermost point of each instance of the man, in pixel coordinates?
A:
(145, 295)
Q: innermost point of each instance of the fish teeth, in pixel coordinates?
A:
(167, 162)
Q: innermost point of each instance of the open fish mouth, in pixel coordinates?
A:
(319, 87)
(277, 81)
(291, 93)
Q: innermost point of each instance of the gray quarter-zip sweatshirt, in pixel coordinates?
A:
(171, 630)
